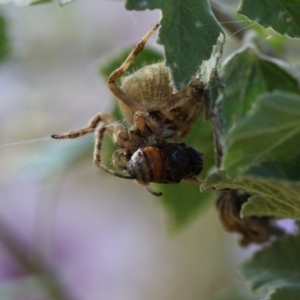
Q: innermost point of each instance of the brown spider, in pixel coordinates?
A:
(154, 113)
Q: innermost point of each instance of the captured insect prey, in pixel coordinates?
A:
(257, 230)
(153, 113)
(165, 163)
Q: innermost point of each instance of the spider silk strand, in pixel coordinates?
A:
(24, 142)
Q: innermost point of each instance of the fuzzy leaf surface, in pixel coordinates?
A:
(282, 15)
(264, 206)
(247, 74)
(188, 33)
(277, 197)
(269, 133)
(275, 271)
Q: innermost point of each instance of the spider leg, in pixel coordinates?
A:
(144, 123)
(115, 89)
(93, 123)
(149, 188)
(97, 155)
(195, 180)
(119, 160)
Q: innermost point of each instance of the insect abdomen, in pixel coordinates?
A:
(183, 162)
(166, 163)
(147, 164)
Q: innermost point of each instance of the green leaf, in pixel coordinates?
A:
(272, 196)
(247, 74)
(271, 132)
(264, 206)
(4, 42)
(36, 2)
(282, 15)
(275, 271)
(188, 33)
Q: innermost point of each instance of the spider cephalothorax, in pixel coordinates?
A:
(154, 113)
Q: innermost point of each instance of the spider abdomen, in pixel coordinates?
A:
(150, 86)
(167, 163)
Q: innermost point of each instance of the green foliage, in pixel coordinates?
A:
(276, 196)
(248, 74)
(275, 270)
(268, 133)
(4, 41)
(265, 206)
(188, 33)
(282, 15)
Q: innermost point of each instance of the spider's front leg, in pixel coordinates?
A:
(107, 120)
(145, 127)
(115, 89)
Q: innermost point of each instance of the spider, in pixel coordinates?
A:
(154, 113)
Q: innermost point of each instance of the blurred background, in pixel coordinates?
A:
(67, 230)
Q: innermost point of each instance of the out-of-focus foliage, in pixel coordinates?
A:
(275, 270)
(282, 15)
(4, 41)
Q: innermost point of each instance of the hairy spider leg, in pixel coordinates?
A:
(98, 162)
(97, 155)
(144, 123)
(115, 89)
(149, 189)
(114, 129)
(119, 160)
(107, 120)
